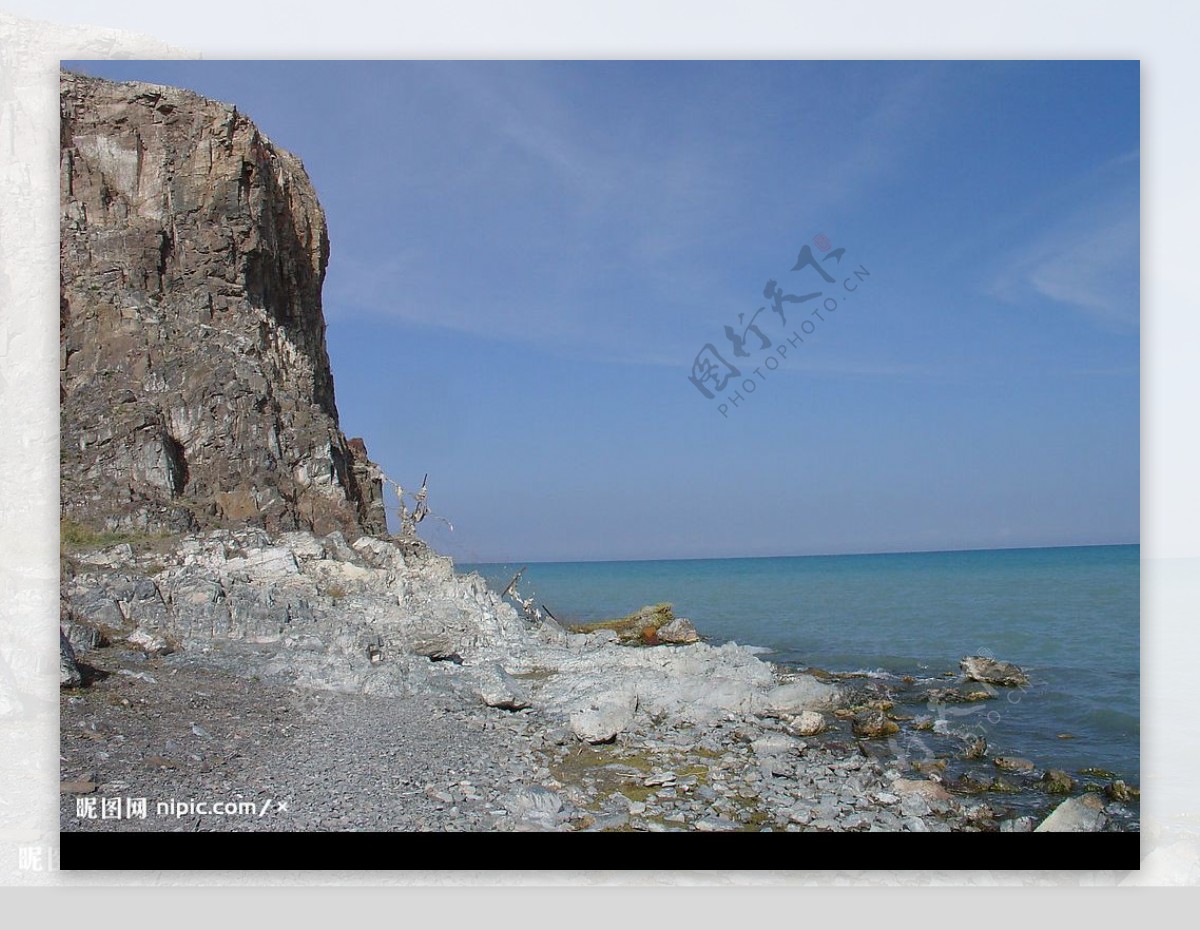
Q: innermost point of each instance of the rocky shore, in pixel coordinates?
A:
(324, 685)
(307, 672)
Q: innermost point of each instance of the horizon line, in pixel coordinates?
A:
(808, 555)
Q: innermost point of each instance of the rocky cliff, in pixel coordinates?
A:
(196, 388)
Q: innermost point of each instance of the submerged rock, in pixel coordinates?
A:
(873, 725)
(993, 671)
(1117, 790)
(1056, 781)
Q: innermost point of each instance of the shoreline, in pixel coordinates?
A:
(565, 731)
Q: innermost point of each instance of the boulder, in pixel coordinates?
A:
(302, 545)
(437, 645)
(1083, 814)
(499, 689)
(1012, 764)
(83, 637)
(534, 803)
(379, 553)
(993, 671)
(919, 787)
(1056, 781)
(149, 643)
(606, 716)
(873, 725)
(807, 723)
(266, 564)
(68, 671)
(679, 631)
(1117, 790)
(805, 693)
(110, 557)
(929, 766)
(716, 825)
(774, 744)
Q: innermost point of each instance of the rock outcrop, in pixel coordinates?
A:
(993, 672)
(195, 383)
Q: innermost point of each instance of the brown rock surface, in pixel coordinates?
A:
(195, 383)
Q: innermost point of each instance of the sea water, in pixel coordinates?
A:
(1068, 616)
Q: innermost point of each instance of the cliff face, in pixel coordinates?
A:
(196, 388)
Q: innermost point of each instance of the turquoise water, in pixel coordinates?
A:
(1069, 616)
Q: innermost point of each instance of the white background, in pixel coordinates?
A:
(1162, 34)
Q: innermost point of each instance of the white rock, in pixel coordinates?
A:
(715, 825)
(1083, 814)
(499, 689)
(607, 716)
(808, 723)
(379, 552)
(267, 564)
(773, 744)
(149, 643)
(112, 557)
(805, 693)
(303, 545)
(534, 803)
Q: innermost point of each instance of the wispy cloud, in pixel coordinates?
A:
(613, 236)
(1091, 271)
(1087, 259)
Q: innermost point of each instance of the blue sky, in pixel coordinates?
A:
(527, 258)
